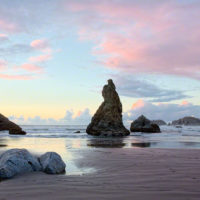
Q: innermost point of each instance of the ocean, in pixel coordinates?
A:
(64, 140)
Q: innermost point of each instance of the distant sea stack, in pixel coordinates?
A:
(142, 124)
(6, 124)
(187, 121)
(159, 122)
(107, 120)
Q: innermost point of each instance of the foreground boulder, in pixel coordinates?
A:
(187, 121)
(142, 124)
(107, 120)
(17, 161)
(52, 163)
(6, 124)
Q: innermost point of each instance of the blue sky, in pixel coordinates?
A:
(55, 57)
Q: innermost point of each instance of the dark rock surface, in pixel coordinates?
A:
(17, 161)
(107, 120)
(6, 124)
(52, 163)
(77, 132)
(187, 121)
(159, 122)
(142, 124)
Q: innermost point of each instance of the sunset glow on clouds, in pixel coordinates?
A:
(144, 36)
(168, 112)
(149, 48)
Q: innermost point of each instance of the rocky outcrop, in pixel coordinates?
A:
(107, 120)
(187, 121)
(142, 124)
(17, 161)
(159, 122)
(6, 124)
(52, 163)
(77, 132)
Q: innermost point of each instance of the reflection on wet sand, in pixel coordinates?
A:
(141, 144)
(106, 143)
(190, 143)
(3, 143)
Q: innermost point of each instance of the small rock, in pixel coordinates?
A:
(17, 161)
(77, 132)
(52, 163)
(142, 124)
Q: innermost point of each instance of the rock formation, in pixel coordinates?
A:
(107, 120)
(19, 161)
(142, 124)
(52, 163)
(159, 122)
(187, 121)
(77, 132)
(6, 124)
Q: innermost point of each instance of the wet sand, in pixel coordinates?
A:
(139, 173)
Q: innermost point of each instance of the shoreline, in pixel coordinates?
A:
(142, 173)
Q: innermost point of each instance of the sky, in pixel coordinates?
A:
(56, 55)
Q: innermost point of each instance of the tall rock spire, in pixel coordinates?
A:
(107, 120)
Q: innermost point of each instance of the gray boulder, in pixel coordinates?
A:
(142, 124)
(52, 163)
(17, 161)
(107, 120)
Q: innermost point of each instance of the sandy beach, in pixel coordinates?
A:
(162, 174)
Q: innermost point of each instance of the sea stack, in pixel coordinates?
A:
(142, 124)
(6, 124)
(107, 120)
(187, 121)
(159, 122)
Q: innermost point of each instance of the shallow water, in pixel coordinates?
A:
(63, 140)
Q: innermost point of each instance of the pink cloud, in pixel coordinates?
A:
(138, 104)
(41, 44)
(3, 37)
(16, 77)
(142, 36)
(40, 58)
(8, 26)
(31, 68)
(184, 103)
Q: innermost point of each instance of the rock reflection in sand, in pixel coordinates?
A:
(141, 144)
(3, 143)
(106, 143)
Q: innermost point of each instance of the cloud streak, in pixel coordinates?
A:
(16, 77)
(132, 87)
